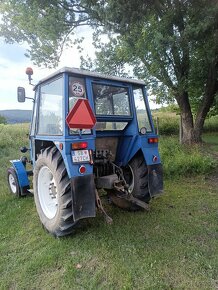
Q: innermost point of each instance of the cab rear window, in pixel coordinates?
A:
(111, 100)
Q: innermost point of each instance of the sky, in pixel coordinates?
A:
(13, 64)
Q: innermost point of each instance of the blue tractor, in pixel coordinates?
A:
(88, 132)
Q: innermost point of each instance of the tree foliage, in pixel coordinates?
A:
(3, 120)
(45, 25)
(172, 44)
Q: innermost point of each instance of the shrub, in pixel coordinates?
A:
(3, 120)
(211, 124)
(12, 137)
(169, 123)
(180, 160)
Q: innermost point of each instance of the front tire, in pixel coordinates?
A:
(136, 175)
(52, 193)
(13, 182)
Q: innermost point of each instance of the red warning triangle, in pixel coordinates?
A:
(81, 116)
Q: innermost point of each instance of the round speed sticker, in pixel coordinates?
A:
(77, 89)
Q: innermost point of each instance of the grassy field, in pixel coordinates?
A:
(173, 246)
(168, 123)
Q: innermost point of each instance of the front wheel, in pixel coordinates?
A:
(52, 193)
(13, 182)
(136, 175)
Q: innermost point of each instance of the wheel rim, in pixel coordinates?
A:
(12, 183)
(47, 192)
(129, 178)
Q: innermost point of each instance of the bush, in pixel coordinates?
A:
(169, 123)
(211, 124)
(12, 137)
(180, 160)
(3, 120)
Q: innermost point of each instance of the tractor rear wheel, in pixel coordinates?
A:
(136, 175)
(52, 193)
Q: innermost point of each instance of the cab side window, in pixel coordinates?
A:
(51, 108)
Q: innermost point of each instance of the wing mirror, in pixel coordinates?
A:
(21, 94)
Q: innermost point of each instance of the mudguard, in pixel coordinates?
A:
(83, 197)
(21, 176)
(155, 179)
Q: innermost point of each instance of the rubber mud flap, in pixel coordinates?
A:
(155, 179)
(83, 197)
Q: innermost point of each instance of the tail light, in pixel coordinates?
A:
(82, 169)
(79, 145)
(155, 158)
(152, 140)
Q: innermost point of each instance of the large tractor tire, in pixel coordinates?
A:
(136, 175)
(52, 193)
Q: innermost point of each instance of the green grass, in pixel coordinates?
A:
(211, 139)
(169, 123)
(173, 246)
(180, 160)
(211, 124)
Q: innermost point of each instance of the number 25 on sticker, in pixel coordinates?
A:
(77, 89)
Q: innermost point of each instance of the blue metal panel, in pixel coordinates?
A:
(130, 145)
(150, 150)
(21, 173)
(149, 154)
(73, 168)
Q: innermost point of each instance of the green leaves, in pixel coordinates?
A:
(172, 44)
(46, 26)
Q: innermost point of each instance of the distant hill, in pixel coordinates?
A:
(16, 116)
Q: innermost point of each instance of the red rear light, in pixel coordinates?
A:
(152, 140)
(79, 145)
(82, 169)
(61, 146)
(155, 158)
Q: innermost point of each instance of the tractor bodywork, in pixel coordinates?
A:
(99, 145)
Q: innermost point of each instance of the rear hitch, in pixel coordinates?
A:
(125, 194)
(108, 219)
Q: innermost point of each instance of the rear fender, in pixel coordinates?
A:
(21, 176)
(151, 155)
(155, 170)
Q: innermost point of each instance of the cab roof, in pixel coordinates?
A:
(80, 72)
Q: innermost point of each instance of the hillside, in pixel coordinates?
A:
(16, 116)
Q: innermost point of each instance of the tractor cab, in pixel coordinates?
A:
(88, 132)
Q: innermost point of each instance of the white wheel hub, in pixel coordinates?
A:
(47, 192)
(12, 183)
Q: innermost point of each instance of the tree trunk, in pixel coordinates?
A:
(211, 89)
(192, 131)
(189, 135)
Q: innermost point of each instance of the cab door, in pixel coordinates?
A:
(32, 134)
